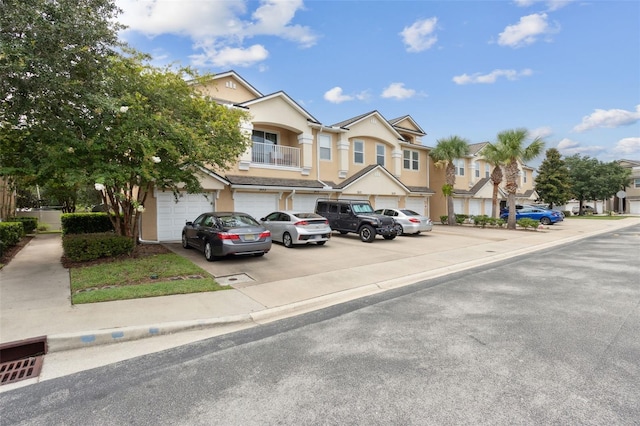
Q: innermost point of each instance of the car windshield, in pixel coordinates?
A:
(362, 208)
(237, 221)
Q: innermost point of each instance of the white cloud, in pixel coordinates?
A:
(230, 56)
(398, 91)
(526, 31)
(551, 4)
(491, 77)
(568, 147)
(540, 132)
(608, 118)
(336, 96)
(218, 28)
(419, 36)
(628, 146)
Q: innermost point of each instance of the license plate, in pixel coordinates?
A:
(249, 237)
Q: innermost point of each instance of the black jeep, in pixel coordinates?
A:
(356, 216)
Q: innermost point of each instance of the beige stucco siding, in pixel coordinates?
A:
(229, 89)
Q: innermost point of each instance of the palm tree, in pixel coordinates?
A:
(510, 145)
(496, 159)
(447, 150)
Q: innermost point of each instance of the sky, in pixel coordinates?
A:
(567, 71)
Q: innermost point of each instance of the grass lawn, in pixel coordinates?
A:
(133, 278)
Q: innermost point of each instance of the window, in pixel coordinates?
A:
(476, 170)
(264, 137)
(459, 165)
(380, 155)
(325, 147)
(636, 183)
(524, 176)
(487, 170)
(410, 159)
(358, 152)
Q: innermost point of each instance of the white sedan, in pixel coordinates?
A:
(408, 221)
(294, 227)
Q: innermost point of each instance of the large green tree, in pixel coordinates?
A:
(445, 152)
(53, 58)
(552, 182)
(592, 179)
(511, 145)
(155, 129)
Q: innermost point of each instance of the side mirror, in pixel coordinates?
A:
(188, 223)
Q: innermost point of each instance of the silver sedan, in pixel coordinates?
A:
(408, 221)
(294, 227)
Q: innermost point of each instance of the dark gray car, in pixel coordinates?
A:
(220, 234)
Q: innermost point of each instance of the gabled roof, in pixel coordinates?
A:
(287, 99)
(475, 148)
(351, 121)
(629, 163)
(241, 80)
(364, 172)
(395, 121)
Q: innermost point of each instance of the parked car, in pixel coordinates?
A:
(546, 217)
(293, 227)
(220, 234)
(356, 216)
(585, 210)
(408, 221)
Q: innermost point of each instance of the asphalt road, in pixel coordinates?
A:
(548, 338)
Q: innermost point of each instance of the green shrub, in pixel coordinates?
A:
(460, 218)
(29, 223)
(1, 248)
(84, 247)
(85, 223)
(11, 233)
(444, 219)
(528, 223)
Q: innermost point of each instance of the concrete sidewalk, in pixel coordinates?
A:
(35, 295)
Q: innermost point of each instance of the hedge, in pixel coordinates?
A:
(85, 223)
(29, 223)
(84, 247)
(10, 234)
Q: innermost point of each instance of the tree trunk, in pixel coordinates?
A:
(512, 189)
(496, 179)
(450, 177)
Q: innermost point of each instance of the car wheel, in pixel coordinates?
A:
(389, 237)
(321, 243)
(286, 240)
(185, 243)
(545, 221)
(367, 233)
(399, 230)
(208, 252)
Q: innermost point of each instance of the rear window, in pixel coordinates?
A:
(237, 221)
(307, 215)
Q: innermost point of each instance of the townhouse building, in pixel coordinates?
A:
(294, 159)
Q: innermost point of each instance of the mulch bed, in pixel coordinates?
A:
(141, 250)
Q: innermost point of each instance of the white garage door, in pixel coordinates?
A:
(305, 202)
(417, 204)
(458, 206)
(256, 204)
(475, 207)
(634, 207)
(172, 216)
(385, 202)
(488, 205)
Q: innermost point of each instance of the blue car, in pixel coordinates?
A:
(546, 217)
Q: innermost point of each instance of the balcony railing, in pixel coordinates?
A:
(275, 155)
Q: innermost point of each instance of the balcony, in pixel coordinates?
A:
(275, 155)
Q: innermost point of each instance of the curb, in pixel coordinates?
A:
(70, 341)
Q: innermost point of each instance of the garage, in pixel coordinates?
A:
(458, 206)
(475, 207)
(417, 204)
(256, 204)
(382, 202)
(172, 216)
(634, 206)
(305, 202)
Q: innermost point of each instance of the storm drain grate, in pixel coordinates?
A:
(20, 369)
